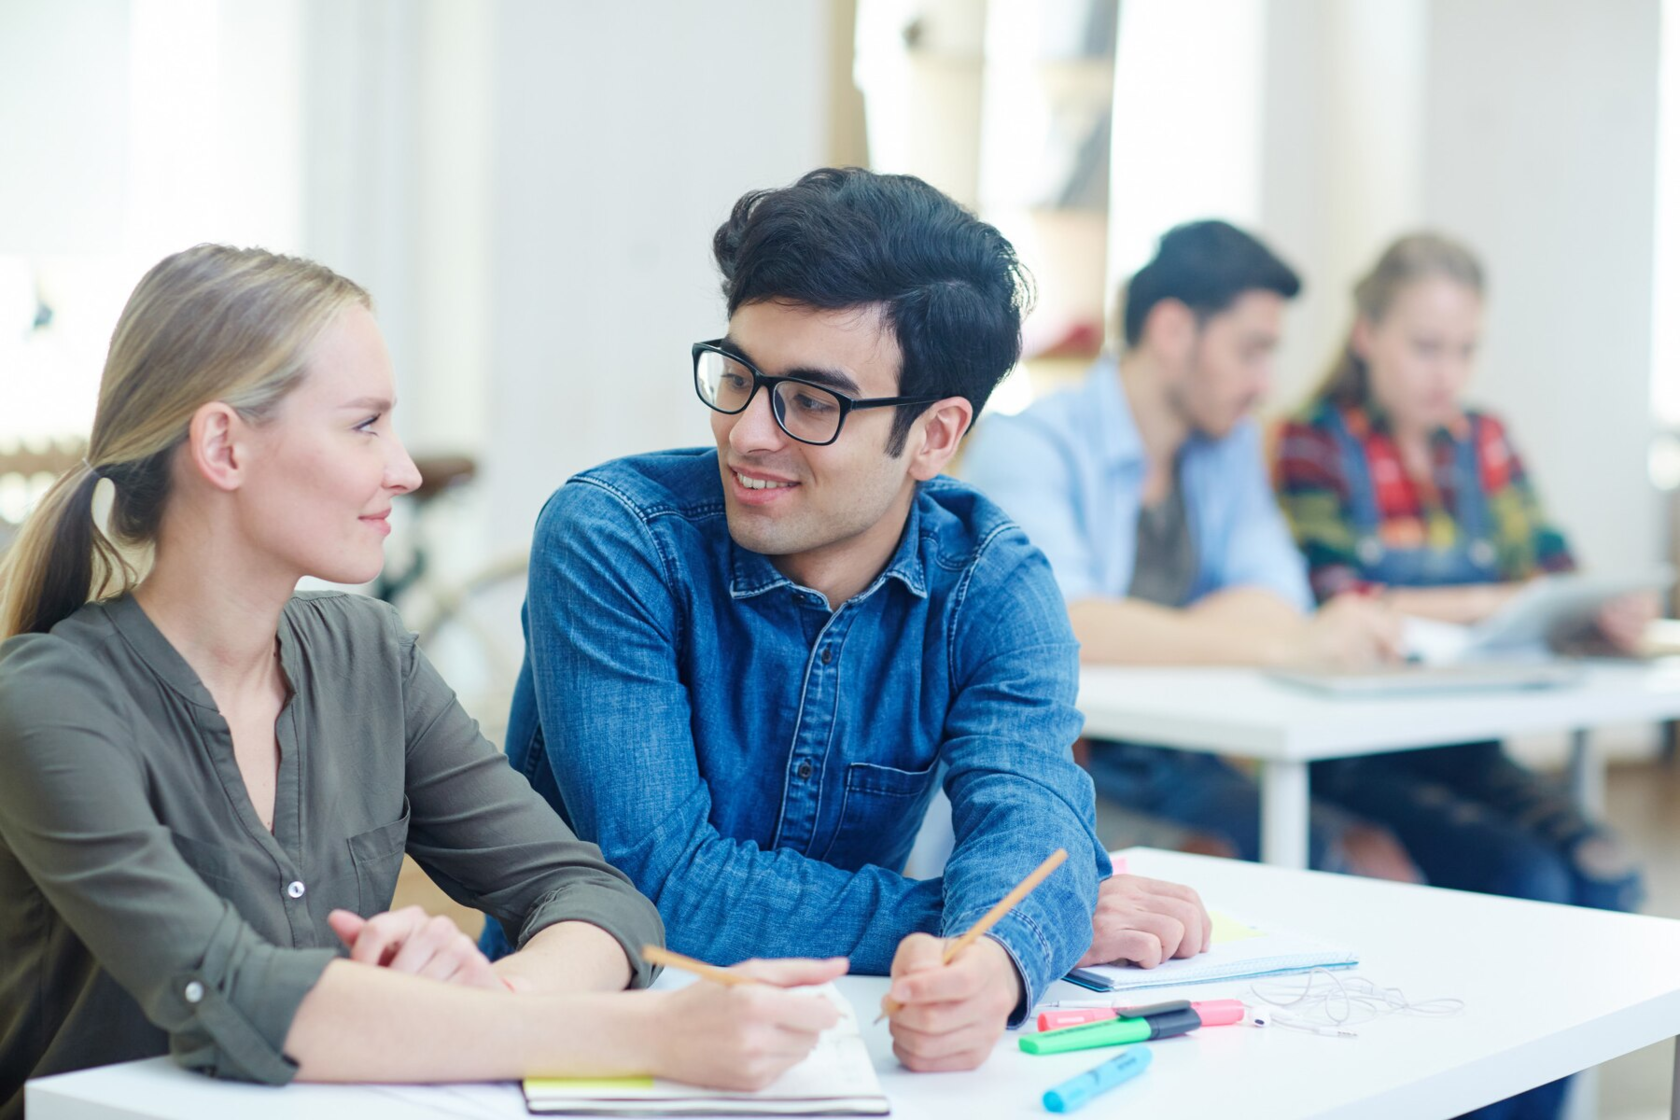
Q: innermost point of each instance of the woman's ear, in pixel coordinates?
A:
(214, 445)
(1359, 341)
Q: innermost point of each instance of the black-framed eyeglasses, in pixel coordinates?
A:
(806, 411)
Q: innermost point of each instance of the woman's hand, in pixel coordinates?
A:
(744, 1037)
(410, 940)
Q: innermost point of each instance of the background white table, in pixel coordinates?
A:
(1550, 990)
(1242, 712)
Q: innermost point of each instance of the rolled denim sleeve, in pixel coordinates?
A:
(490, 841)
(603, 632)
(74, 813)
(1025, 467)
(1016, 793)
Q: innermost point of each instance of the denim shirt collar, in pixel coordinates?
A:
(752, 573)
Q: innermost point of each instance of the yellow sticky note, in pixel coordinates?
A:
(585, 1084)
(1227, 929)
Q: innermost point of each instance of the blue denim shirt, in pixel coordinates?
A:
(1070, 471)
(759, 764)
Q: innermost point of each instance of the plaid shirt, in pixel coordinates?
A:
(1312, 487)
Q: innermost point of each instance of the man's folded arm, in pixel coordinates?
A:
(1016, 793)
(616, 719)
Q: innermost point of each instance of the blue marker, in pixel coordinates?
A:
(1073, 1094)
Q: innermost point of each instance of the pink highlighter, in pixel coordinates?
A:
(1213, 1013)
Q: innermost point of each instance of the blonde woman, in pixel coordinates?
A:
(207, 782)
(1392, 482)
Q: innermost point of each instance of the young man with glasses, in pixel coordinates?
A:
(748, 668)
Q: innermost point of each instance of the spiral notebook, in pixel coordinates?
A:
(1241, 949)
(835, 1079)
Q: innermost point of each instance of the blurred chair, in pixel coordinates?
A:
(19, 464)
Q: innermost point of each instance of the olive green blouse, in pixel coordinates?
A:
(144, 908)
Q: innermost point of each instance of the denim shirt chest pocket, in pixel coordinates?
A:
(875, 806)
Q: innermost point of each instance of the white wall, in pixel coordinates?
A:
(129, 129)
(1343, 157)
(399, 131)
(1543, 154)
(623, 135)
(63, 80)
(360, 106)
(530, 190)
(1527, 128)
(1188, 139)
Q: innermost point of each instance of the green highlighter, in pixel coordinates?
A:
(1112, 1032)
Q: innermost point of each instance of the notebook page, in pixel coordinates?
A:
(836, 1077)
(1240, 949)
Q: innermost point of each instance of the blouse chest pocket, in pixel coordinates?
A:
(880, 812)
(377, 856)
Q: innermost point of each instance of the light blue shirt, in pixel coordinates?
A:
(1070, 471)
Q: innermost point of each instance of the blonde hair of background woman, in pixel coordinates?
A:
(1415, 257)
(211, 323)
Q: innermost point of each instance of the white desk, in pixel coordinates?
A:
(1241, 712)
(1531, 1016)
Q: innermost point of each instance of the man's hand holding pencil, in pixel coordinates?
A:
(951, 999)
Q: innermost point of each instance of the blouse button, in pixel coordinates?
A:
(804, 769)
(295, 889)
(194, 991)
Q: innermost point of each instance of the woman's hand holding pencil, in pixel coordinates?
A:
(739, 1027)
(949, 1002)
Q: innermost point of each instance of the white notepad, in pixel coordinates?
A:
(835, 1079)
(1241, 949)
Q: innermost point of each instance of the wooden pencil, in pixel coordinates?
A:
(710, 972)
(991, 917)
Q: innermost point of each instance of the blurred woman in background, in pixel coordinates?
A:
(1393, 485)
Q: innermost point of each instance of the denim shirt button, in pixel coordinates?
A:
(804, 769)
(827, 654)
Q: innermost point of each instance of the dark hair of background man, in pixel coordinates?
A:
(1206, 266)
(949, 286)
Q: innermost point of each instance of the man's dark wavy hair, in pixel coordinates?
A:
(1206, 266)
(949, 286)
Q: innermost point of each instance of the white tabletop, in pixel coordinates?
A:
(1242, 712)
(1549, 990)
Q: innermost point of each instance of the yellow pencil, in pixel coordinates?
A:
(700, 968)
(991, 917)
